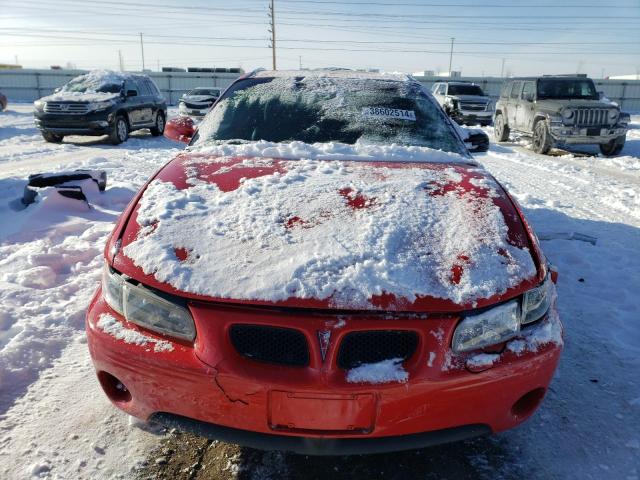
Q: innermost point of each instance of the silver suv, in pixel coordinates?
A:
(559, 110)
(465, 102)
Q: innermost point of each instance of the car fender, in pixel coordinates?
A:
(124, 113)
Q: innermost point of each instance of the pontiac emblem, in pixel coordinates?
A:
(323, 338)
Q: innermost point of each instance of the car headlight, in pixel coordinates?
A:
(39, 105)
(567, 113)
(487, 328)
(141, 306)
(613, 114)
(95, 106)
(501, 323)
(536, 302)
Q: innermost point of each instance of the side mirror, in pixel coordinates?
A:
(132, 93)
(529, 97)
(600, 95)
(477, 141)
(179, 129)
(57, 90)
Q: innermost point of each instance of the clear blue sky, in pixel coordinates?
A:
(562, 36)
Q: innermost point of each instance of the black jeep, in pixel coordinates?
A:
(102, 103)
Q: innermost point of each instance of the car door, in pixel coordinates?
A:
(526, 107)
(133, 102)
(514, 104)
(146, 102)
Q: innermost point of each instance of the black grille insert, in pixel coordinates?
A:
(283, 346)
(376, 346)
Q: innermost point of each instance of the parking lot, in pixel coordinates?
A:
(56, 421)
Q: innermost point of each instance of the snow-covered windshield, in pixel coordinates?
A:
(464, 90)
(99, 81)
(320, 109)
(566, 88)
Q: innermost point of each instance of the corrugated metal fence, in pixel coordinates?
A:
(29, 85)
(625, 93)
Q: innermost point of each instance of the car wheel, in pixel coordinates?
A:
(159, 128)
(541, 138)
(614, 147)
(52, 137)
(500, 129)
(120, 131)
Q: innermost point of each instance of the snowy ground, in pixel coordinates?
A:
(56, 423)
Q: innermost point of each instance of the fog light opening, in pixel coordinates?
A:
(527, 404)
(114, 388)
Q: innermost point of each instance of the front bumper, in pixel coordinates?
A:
(584, 135)
(473, 117)
(211, 390)
(93, 123)
(193, 111)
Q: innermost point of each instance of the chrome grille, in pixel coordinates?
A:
(592, 116)
(62, 107)
(476, 107)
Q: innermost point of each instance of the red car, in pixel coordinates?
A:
(325, 270)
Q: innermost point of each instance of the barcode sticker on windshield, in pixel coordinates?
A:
(383, 112)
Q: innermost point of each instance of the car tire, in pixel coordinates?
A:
(120, 131)
(614, 147)
(541, 138)
(160, 123)
(52, 137)
(500, 129)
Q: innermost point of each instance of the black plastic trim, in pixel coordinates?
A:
(319, 446)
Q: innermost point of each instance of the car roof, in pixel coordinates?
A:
(567, 77)
(457, 82)
(332, 73)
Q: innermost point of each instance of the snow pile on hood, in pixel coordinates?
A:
(334, 231)
(386, 371)
(360, 151)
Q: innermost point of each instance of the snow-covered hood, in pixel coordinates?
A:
(559, 104)
(199, 98)
(410, 236)
(80, 97)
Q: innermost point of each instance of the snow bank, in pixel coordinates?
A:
(334, 231)
(109, 324)
(386, 371)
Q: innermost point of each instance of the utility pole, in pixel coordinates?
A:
(158, 64)
(120, 61)
(300, 61)
(502, 69)
(451, 55)
(142, 50)
(272, 15)
(16, 59)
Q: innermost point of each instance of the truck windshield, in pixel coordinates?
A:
(320, 109)
(204, 91)
(465, 90)
(567, 88)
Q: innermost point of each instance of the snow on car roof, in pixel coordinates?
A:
(400, 77)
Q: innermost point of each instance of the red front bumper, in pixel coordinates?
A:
(210, 382)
